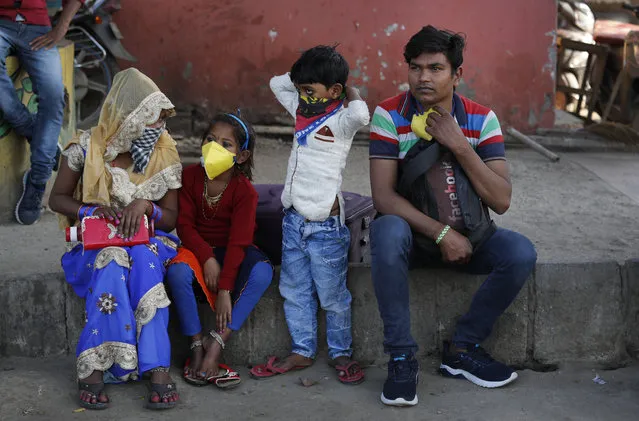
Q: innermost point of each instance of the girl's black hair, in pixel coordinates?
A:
(240, 136)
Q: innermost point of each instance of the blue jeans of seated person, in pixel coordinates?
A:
(507, 257)
(314, 266)
(253, 279)
(45, 71)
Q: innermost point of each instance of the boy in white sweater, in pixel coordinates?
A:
(315, 237)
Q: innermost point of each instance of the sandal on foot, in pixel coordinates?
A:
(226, 378)
(96, 389)
(351, 373)
(265, 371)
(160, 390)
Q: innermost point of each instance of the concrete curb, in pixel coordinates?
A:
(567, 312)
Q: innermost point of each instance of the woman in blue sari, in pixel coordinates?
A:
(122, 169)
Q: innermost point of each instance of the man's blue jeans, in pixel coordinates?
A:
(314, 266)
(507, 257)
(44, 68)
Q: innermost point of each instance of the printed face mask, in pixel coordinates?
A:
(310, 106)
(216, 159)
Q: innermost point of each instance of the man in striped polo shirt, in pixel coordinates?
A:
(469, 170)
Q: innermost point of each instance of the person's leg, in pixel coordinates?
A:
(256, 274)
(150, 302)
(253, 279)
(508, 258)
(391, 245)
(45, 70)
(11, 108)
(328, 248)
(180, 280)
(298, 291)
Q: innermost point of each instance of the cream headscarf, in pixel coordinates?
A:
(133, 102)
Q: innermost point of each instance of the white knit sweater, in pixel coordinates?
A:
(314, 175)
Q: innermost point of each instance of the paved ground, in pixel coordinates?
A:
(44, 389)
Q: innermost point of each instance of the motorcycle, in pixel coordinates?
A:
(98, 44)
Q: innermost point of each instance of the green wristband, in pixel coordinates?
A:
(442, 234)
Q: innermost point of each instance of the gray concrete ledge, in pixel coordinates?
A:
(567, 312)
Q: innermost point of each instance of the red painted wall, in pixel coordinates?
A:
(221, 53)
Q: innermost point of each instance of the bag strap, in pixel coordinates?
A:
(418, 165)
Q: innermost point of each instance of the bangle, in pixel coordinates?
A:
(224, 290)
(442, 234)
(80, 212)
(92, 210)
(157, 213)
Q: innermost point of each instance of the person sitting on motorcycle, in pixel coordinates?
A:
(25, 29)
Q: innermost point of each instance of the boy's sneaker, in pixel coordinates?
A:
(400, 388)
(29, 206)
(476, 365)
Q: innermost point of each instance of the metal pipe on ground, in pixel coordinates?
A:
(532, 144)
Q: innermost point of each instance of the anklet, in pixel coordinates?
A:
(195, 344)
(218, 338)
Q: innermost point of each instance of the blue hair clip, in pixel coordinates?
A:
(246, 132)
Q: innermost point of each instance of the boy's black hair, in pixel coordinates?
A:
(321, 64)
(431, 40)
(240, 136)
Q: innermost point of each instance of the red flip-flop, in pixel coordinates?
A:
(351, 373)
(226, 378)
(265, 371)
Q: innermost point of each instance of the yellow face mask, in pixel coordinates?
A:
(216, 159)
(418, 124)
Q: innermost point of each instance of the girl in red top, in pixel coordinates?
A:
(216, 224)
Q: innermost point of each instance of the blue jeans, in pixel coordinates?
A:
(253, 279)
(44, 69)
(507, 257)
(314, 265)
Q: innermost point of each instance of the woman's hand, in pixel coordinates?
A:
(109, 213)
(223, 309)
(211, 273)
(132, 217)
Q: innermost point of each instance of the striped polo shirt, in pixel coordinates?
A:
(392, 137)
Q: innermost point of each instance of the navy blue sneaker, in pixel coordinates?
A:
(29, 206)
(475, 365)
(400, 388)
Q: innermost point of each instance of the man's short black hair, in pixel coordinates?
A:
(321, 64)
(431, 40)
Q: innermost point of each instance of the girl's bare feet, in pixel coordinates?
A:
(197, 355)
(210, 364)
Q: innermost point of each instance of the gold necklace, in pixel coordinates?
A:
(210, 202)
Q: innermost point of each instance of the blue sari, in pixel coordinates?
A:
(127, 311)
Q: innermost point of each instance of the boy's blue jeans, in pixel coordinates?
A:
(44, 69)
(507, 257)
(314, 266)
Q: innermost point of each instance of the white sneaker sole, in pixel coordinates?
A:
(399, 401)
(24, 190)
(476, 380)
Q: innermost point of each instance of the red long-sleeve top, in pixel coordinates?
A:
(233, 226)
(34, 11)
